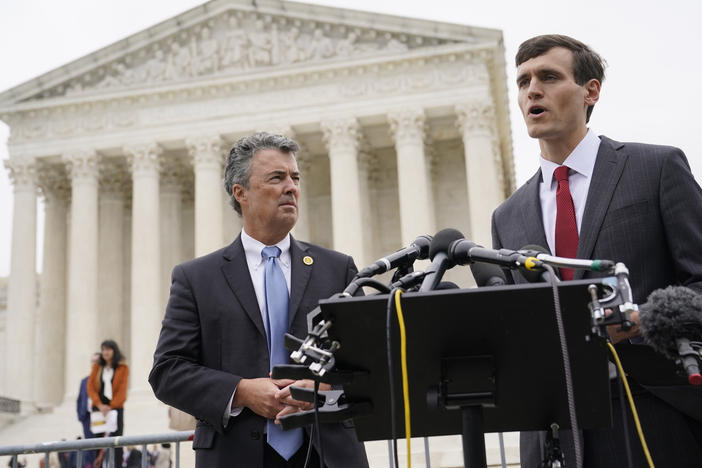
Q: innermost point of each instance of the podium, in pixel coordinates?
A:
(491, 349)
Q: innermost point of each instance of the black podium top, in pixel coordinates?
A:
(457, 333)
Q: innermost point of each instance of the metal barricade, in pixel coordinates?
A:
(109, 443)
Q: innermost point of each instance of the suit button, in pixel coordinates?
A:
(255, 435)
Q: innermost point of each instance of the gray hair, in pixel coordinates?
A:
(238, 168)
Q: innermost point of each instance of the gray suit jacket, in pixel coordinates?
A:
(643, 208)
(213, 335)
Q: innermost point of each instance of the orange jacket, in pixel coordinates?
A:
(119, 385)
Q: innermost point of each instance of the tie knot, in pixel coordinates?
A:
(270, 252)
(561, 173)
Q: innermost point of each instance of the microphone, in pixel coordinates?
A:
(669, 321)
(487, 274)
(419, 249)
(606, 266)
(465, 251)
(440, 261)
(535, 276)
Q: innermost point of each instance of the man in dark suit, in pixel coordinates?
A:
(227, 314)
(598, 198)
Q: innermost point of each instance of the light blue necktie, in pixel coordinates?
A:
(286, 443)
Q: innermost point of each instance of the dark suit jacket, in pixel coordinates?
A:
(643, 208)
(213, 335)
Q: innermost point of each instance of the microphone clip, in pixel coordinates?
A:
(617, 299)
(316, 350)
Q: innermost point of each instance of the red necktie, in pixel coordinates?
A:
(566, 227)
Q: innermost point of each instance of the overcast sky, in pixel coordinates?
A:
(652, 92)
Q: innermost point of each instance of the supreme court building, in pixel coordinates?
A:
(404, 130)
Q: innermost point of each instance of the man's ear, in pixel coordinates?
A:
(239, 193)
(592, 89)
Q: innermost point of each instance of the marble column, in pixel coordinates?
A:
(476, 122)
(81, 322)
(343, 139)
(22, 284)
(51, 325)
(171, 209)
(206, 156)
(413, 174)
(113, 184)
(146, 312)
(302, 230)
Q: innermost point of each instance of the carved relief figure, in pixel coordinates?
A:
(155, 67)
(345, 47)
(293, 46)
(321, 46)
(235, 41)
(205, 58)
(261, 48)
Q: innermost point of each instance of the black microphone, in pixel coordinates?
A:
(535, 276)
(419, 249)
(464, 251)
(487, 274)
(669, 320)
(438, 252)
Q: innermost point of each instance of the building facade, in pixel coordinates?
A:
(403, 126)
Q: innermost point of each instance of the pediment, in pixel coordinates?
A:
(235, 37)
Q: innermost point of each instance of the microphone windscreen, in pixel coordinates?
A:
(531, 275)
(487, 274)
(671, 313)
(442, 240)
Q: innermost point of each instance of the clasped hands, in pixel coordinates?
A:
(271, 398)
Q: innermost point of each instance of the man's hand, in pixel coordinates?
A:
(616, 334)
(259, 395)
(283, 395)
(292, 405)
(104, 409)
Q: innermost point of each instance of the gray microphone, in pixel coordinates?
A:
(669, 321)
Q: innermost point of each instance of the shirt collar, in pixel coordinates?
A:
(581, 160)
(253, 248)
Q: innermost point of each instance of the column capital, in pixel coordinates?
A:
(342, 132)
(114, 178)
(53, 182)
(172, 174)
(206, 150)
(82, 165)
(143, 158)
(22, 172)
(407, 125)
(476, 117)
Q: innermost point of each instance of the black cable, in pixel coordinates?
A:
(388, 336)
(625, 422)
(566, 369)
(316, 423)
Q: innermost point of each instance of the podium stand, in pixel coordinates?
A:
(492, 352)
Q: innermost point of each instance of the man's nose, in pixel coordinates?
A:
(291, 185)
(535, 89)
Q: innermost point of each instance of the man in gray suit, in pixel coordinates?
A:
(227, 314)
(594, 197)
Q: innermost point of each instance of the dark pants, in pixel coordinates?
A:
(673, 439)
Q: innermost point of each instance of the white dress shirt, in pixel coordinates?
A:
(581, 163)
(256, 264)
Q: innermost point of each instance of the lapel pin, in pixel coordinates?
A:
(307, 260)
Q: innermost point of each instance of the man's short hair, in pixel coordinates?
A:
(238, 168)
(587, 64)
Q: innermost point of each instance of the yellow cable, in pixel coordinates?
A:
(631, 403)
(405, 382)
